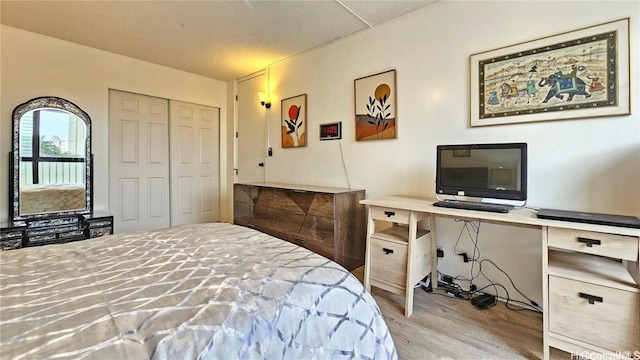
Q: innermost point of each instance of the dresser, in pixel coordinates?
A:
(326, 220)
(54, 230)
(51, 197)
(590, 273)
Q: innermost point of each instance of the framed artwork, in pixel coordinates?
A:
(294, 121)
(332, 131)
(375, 100)
(578, 74)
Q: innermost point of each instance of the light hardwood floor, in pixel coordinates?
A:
(442, 327)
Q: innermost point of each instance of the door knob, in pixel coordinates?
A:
(261, 164)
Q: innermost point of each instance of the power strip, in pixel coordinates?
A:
(483, 301)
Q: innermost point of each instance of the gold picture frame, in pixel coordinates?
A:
(577, 74)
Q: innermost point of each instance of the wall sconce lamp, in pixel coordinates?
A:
(264, 99)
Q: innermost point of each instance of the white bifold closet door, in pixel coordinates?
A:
(164, 162)
(138, 161)
(195, 164)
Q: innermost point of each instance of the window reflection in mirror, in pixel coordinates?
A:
(53, 179)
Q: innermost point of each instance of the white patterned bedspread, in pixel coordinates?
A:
(202, 291)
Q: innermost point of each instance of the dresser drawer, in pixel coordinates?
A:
(97, 232)
(241, 212)
(262, 218)
(316, 247)
(100, 223)
(71, 234)
(594, 314)
(389, 262)
(322, 205)
(318, 229)
(390, 214)
(10, 244)
(245, 193)
(11, 234)
(589, 242)
(288, 222)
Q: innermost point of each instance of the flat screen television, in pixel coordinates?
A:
(490, 171)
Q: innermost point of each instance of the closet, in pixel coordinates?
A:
(163, 162)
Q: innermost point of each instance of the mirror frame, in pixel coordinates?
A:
(47, 102)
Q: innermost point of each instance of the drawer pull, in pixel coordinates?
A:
(591, 298)
(390, 213)
(589, 242)
(387, 251)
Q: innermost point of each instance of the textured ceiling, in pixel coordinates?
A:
(223, 40)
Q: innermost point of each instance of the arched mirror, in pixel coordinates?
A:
(51, 159)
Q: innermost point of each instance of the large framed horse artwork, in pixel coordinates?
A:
(577, 74)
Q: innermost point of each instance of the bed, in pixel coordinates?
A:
(40, 198)
(200, 291)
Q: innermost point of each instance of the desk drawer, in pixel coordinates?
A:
(611, 322)
(390, 214)
(589, 242)
(389, 262)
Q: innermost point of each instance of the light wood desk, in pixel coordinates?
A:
(591, 273)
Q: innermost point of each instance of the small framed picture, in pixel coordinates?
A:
(462, 153)
(294, 121)
(332, 131)
(375, 111)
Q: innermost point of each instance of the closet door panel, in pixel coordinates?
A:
(207, 194)
(138, 161)
(195, 166)
(129, 199)
(157, 206)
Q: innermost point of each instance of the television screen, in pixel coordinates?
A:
(496, 171)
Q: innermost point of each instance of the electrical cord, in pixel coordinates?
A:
(344, 166)
(473, 232)
(476, 250)
(460, 293)
(476, 230)
(532, 303)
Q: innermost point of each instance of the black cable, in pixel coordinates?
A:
(447, 295)
(511, 281)
(508, 299)
(475, 229)
(476, 250)
(453, 250)
(523, 305)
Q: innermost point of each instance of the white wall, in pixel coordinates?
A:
(33, 65)
(586, 164)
